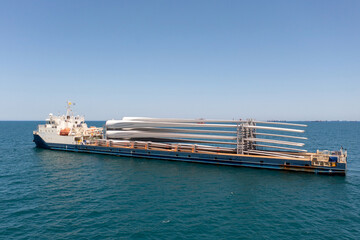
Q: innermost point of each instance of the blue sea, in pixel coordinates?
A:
(48, 194)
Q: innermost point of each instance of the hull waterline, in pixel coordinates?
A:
(216, 159)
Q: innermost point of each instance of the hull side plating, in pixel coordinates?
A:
(218, 159)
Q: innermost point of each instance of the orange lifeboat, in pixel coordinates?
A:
(64, 132)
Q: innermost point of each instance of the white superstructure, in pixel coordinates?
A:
(67, 129)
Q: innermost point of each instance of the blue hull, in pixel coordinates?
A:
(229, 160)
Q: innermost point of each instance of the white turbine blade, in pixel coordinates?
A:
(144, 134)
(278, 135)
(116, 124)
(275, 128)
(285, 148)
(153, 129)
(178, 120)
(203, 141)
(282, 123)
(274, 141)
(274, 154)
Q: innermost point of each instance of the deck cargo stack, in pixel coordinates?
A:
(237, 136)
(243, 143)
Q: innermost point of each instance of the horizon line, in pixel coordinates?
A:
(319, 120)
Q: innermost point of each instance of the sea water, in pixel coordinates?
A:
(47, 194)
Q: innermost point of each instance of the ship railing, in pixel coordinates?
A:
(160, 146)
(327, 158)
(330, 156)
(184, 147)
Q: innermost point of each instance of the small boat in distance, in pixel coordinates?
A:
(243, 143)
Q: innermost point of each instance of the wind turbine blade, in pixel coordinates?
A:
(278, 135)
(274, 141)
(285, 148)
(275, 128)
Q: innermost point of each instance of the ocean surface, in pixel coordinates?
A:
(48, 194)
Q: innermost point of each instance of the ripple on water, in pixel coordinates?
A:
(48, 194)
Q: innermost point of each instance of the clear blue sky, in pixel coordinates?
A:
(292, 60)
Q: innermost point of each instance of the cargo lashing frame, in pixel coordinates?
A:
(244, 132)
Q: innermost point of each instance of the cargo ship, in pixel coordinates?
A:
(241, 143)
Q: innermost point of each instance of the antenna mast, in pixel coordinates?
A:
(68, 108)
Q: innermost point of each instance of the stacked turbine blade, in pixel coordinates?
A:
(218, 133)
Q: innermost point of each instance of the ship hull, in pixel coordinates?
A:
(217, 159)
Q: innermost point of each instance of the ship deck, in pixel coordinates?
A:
(187, 148)
(304, 162)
